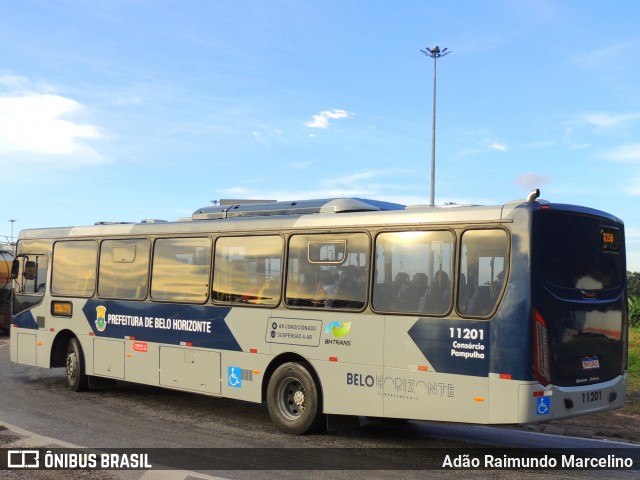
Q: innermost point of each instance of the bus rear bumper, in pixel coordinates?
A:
(540, 404)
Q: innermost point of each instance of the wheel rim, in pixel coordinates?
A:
(292, 400)
(72, 367)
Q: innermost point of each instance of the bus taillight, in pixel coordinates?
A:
(540, 349)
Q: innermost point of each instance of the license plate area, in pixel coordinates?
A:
(590, 363)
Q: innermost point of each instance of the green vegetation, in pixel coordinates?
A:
(632, 406)
(633, 287)
(634, 311)
(634, 353)
(633, 283)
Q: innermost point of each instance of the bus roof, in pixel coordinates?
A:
(338, 212)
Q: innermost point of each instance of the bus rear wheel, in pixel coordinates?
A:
(294, 400)
(77, 379)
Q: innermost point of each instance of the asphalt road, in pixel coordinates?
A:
(132, 416)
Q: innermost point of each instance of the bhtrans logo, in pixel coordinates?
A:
(337, 330)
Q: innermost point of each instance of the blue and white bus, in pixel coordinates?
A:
(504, 314)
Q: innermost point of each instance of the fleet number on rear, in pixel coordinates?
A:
(467, 333)
(590, 397)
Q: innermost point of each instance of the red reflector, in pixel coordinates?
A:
(422, 368)
(539, 318)
(505, 376)
(189, 344)
(538, 394)
(545, 206)
(333, 359)
(91, 334)
(253, 350)
(52, 329)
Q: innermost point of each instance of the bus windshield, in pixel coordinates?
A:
(586, 254)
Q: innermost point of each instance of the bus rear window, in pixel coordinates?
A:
(580, 251)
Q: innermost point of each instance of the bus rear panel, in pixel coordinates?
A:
(579, 307)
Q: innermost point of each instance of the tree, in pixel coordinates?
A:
(634, 311)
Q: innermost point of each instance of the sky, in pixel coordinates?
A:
(132, 109)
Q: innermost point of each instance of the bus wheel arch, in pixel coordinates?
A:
(293, 393)
(59, 348)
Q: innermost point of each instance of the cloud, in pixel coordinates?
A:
(322, 119)
(42, 124)
(607, 120)
(498, 146)
(603, 58)
(531, 180)
(624, 154)
(633, 187)
(361, 184)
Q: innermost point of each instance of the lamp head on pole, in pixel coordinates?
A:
(435, 52)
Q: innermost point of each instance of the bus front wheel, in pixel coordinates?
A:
(77, 379)
(294, 401)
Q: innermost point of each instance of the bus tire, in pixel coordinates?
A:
(77, 379)
(294, 400)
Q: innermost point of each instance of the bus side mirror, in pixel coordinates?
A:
(15, 268)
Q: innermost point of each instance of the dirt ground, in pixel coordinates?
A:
(617, 425)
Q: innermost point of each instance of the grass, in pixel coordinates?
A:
(633, 381)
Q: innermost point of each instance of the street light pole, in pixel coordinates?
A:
(12, 222)
(434, 53)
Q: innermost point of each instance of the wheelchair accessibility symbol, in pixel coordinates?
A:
(543, 406)
(234, 376)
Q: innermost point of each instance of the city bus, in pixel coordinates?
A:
(507, 314)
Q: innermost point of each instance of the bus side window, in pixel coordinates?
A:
(484, 259)
(175, 275)
(74, 268)
(124, 269)
(247, 270)
(414, 271)
(328, 271)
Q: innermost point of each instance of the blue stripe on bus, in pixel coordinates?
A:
(454, 346)
(25, 320)
(200, 325)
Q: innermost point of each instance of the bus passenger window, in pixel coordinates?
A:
(248, 270)
(328, 271)
(482, 271)
(413, 272)
(180, 270)
(124, 269)
(74, 268)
